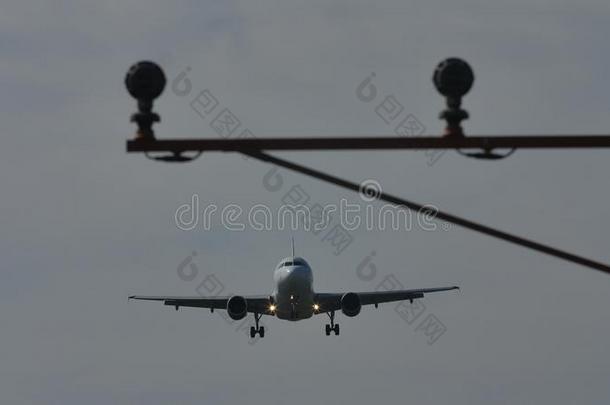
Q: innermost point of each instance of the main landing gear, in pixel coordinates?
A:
(258, 329)
(332, 327)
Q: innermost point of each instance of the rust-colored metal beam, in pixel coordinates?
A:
(369, 143)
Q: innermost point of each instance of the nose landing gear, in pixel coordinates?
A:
(258, 329)
(294, 300)
(332, 327)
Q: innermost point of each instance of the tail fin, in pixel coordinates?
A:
(292, 239)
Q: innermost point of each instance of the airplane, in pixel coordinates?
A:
(293, 298)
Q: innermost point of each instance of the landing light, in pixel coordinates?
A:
(272, 308)
(316, 307)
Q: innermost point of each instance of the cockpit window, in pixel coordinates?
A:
(294, 263)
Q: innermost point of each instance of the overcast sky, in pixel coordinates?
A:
(84, 224)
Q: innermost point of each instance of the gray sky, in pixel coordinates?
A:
(84, 224)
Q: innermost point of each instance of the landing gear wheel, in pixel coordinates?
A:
(257, 329)
(332, 327)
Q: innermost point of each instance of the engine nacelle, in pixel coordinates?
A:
(350, 304)
(237, 307)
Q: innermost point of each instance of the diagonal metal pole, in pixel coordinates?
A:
(517, 240)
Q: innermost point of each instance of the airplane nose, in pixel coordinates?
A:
(296, 272)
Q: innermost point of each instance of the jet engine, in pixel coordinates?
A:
(237, 307)
(350, 304)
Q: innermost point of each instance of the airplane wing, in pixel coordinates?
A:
(332, 301)
(256, 303)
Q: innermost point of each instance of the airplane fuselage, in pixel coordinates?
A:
(293, 295)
